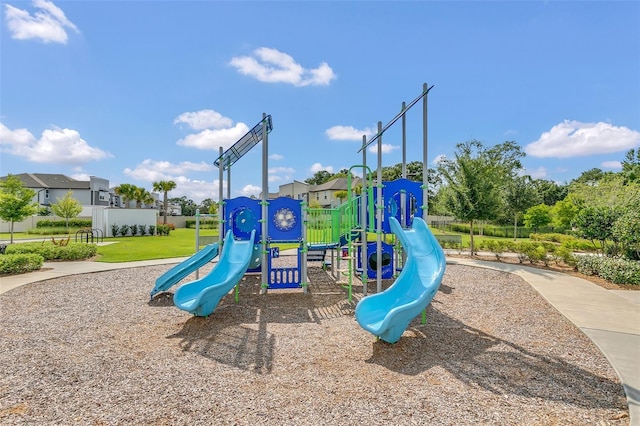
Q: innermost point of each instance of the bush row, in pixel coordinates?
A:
(204, 224)
(73, 223)
(497, 231)
(529, 251)
(20, 263)
(49, 251)
(133, 230)
(569, 241)
(142, 230)
(618, 271)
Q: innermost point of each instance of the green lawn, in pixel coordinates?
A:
(179, 243)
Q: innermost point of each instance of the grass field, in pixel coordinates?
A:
(180, 243)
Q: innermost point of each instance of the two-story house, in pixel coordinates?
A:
(50, 187)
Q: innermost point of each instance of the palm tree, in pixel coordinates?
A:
(126, 191)
(164, 186)
(142, 196)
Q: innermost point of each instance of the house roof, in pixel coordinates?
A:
(50, 181)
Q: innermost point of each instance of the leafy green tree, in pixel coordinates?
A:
(319, 178)
(187, 206)
(626, 229)
(609, 191)
(67, 207)
(538, 216)
(591, 177)
(549, 191)
(631, 166)
(208, 206)
(341, 195)
(472, 181)
(519, 195)
(564, 212)
(16, 201)
(164, 186)
(596, 224)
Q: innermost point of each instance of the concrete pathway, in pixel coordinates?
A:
(610, 318)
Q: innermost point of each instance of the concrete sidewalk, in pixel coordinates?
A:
(611, 319)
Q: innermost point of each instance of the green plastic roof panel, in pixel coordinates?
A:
(243, 145)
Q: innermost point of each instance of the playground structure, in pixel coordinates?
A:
(252, 228)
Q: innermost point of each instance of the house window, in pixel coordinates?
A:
(46, 194)
(103, 196)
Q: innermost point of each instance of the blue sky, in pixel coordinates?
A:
(139, 91)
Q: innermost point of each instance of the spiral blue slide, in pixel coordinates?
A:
(388, 314)
(200, 297)
(181, 270)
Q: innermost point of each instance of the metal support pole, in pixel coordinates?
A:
(197, 238)
(303, 248)
(425, 157)
(265, 212)
(404, 220)
(220, 201)
(364, 203)
(229, 182)
(379, 213)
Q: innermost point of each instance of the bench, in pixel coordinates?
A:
(450, 241)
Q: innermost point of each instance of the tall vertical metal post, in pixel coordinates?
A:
(265, 212)
(221, 217)
(379, 213)
(229, 182)
(403, 195)
(364, 203)
(425, 157)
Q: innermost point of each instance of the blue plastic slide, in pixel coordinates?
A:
(388, 314)
(200, 297)
(181, 270)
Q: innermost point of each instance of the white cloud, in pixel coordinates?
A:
(436, 161)
(153, 171)
(386, 148)
(47, 24)
(216, 138)
(539, 173)
(84, 177)
(249, 190)
(616, 165)
(348, 133)
(280, 174)
(204, 119)
(316, 167)
(272, 66)
(276, 157)
(576, 139)
(55, 146)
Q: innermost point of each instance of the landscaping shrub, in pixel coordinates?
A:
(115, 229)
(618, 271)
(152, 230)
(134, 230)
(50, 251)
(73, 223)
(20, 263)
(204, 224)
(52, 231)
(124, 230)
(143, 229)
(164, 229)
